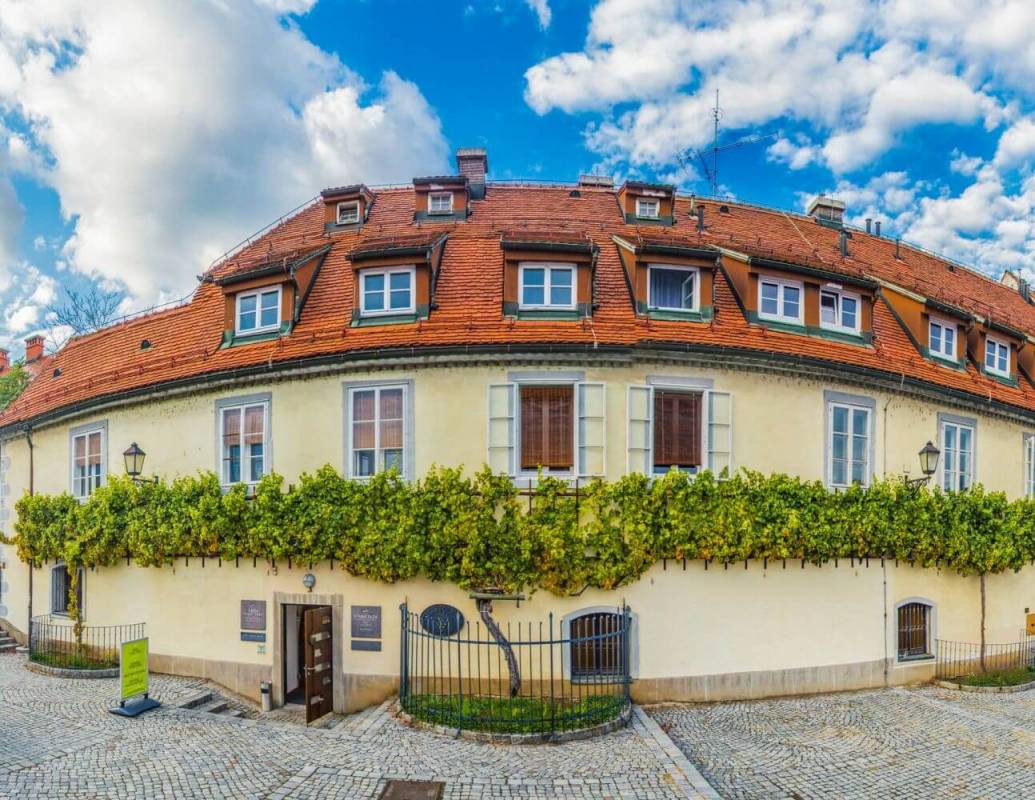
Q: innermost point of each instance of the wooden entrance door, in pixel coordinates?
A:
(319, 663)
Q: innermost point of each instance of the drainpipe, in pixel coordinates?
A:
(32, 489)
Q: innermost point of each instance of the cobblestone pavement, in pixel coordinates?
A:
(58, 741)
(892, 743)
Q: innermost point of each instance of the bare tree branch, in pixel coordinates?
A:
(86, 311)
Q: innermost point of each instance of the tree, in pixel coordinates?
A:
(12, 384)
(86, 311)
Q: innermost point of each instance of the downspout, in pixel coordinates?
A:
(32, 491)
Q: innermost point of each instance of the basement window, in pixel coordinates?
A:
(597, 645)
(914, 631)
(440, 203)
(348, 212)
(258, 312)
(647, 208)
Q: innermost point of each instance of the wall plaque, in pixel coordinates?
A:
(365, 644)
(442, 620)
(247, 636)
(366, 622)
(253, 615)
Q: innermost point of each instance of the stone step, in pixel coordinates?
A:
(235, 713)
(197, 700)
(8, 647)
(6, 639)
(214, 706)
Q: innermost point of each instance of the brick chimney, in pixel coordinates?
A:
(474, 163)
(33, 349)
(5, 360)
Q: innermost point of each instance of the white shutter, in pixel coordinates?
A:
(590, 432)
(502, 427)
(720, 432)
(640, 412)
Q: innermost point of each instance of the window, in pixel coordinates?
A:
(672, 288)
(997, 356)
(440, 203)
(387, 291)
(838, 311)
(88, 461)
(598, 645)
(1029, 465)
(547, 286)
(942, 339)
(258, 312)
(678, 430)
(848, 444)
(780, 300)
(647, 209)
(60, 587)
(914, 631)
(377, 431)
(957, 455)
(547, 428)
(348, 212)
(244, 433)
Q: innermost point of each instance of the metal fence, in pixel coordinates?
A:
(546, 677)
(54, 641)
(960, 659)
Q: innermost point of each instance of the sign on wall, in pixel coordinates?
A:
(366, 622)
(253, 615)
(441, 619)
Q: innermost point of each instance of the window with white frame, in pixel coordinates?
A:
(259, 311)
(942, 339)
(348, 212)
(387, 291)
(647, 208)
(672, 288)
(1029, 465)
(440, 203)
(839, 311)
(682, 427)
(377, 429)
(780, 300)
(957, 439)
(546, 286)
(244, 438)
(553, 425)
(88, 460)
(848, 444)
(997, 356)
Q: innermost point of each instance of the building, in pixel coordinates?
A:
(584, 329)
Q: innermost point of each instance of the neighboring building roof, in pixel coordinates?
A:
(185, 341)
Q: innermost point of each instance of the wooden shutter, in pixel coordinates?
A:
(502, 405)
(640, 435)
(720, 433)
(592, 428)
(677, 428)
(547, 419)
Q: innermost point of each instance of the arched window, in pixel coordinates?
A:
(914, 630)
(598, 645)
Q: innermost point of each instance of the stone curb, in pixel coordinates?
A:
(59, 672)
(1021, 687)
(692, 782)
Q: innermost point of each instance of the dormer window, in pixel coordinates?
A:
(647, 208)
(258, 312)
(997, 357)
(440, 203)
(839, 311)
(547, 286)
(780, 300)
(387, 291)
(348, 212)
(672, 288)
(942, 339)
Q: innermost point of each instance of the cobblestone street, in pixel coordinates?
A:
(895, 743)
(58, 741)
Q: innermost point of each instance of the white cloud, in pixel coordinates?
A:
(1017, 144)
(542, 12)
(171, 130)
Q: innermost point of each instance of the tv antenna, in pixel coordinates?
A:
(711, 171)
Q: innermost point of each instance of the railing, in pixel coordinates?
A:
(544, 678)
(55, 642)
(960, 659)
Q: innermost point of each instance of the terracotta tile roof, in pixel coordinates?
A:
(468, 296)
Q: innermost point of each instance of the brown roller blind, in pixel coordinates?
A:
(677, 429)
(547, 419)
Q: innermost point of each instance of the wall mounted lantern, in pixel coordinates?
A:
(309, 581)
(928, 464)
(134, 458)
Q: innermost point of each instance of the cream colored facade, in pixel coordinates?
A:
(699, 634)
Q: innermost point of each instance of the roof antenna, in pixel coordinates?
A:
(711, 172)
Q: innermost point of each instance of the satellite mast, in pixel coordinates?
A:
(711, 171)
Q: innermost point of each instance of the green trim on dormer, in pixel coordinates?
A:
(230, 339)
(453, 216)
(957, 364)
(1006, 381)
(632, 219)
(704, 315)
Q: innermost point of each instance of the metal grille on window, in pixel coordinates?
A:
(596, 650)
(913, 634)
(677, 430)
(547, 434)
(377, 430)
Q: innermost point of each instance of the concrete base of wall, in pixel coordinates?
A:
(241, 679)
(363, 691)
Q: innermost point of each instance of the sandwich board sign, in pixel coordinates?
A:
(133, 680)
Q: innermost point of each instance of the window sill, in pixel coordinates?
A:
(232, 339)
(452, 216)
(681, 315)
(545, 313)
(910, 661)
(1006, 380)
(360, 321)
(632, 219)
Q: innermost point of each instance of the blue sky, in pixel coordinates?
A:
(139, 141)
